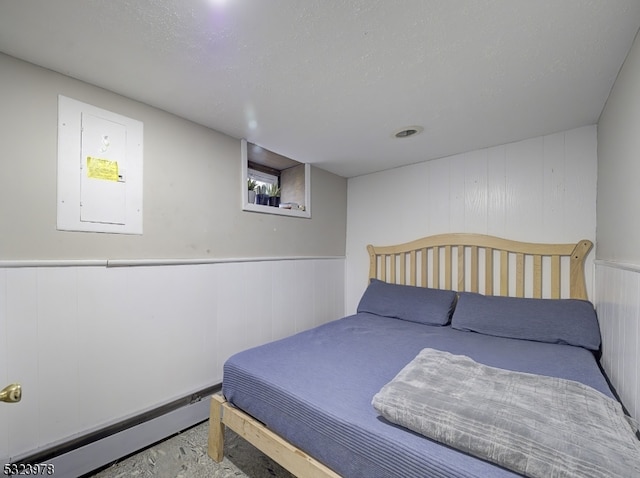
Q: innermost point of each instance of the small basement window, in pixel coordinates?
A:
(274, 184)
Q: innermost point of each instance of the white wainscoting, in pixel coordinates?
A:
(93, 345)
(618, 305)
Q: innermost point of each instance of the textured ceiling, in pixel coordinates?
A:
(328, 81)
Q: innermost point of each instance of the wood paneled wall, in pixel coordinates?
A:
(539, 190)
(618, 305)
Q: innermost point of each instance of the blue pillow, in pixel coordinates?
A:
(415, 304)
(556, 321)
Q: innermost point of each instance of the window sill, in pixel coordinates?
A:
(275, 210)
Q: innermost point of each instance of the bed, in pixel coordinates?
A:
(397, 388)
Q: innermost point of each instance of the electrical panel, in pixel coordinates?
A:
(99, 169)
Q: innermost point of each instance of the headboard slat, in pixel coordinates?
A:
(412, 268)
(461, 264)
(474, 269)
(392, 268)
(504, 273)
(447, 267)
(383, 263)
(403, 267)
(555, 277)
(488, 274)
(537, 276)
(539, 269)
(436, 267)
(519, 275)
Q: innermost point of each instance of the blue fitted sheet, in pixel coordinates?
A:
(315, 389)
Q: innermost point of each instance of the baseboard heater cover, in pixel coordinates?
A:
(57, 452)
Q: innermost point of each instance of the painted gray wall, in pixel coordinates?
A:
(618, 232)
(191, 179)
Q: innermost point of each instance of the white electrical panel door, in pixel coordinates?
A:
(100, 156)
(103, 188)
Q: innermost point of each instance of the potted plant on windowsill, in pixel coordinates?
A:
(261, 195)
(274, 195)
(251, 186)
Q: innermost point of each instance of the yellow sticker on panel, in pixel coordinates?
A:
(102, 169)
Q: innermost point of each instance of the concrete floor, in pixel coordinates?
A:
(185, 456)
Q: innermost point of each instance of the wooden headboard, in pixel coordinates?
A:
(485, 264)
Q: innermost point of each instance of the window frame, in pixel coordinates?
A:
(246, 206)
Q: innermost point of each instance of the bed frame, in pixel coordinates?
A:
(462, 262)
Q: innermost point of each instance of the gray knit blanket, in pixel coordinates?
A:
(535, 425)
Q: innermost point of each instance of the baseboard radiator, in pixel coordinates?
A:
(90, 452)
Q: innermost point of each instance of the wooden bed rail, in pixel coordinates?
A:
(486, 264)
(291, 458)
